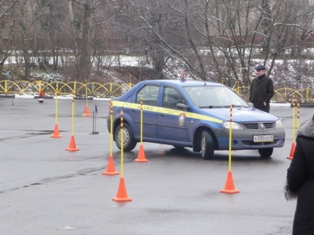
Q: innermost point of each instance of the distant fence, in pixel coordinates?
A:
(285, 94)
(8, 87)
(107, 90)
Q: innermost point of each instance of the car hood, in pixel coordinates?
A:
(241, 114)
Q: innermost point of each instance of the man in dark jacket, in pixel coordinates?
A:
(300, 180)
(261, 90)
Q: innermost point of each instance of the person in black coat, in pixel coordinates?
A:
(261, 89)
(300, 180)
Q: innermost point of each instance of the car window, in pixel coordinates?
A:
(204, 96)
(227, 97)
(171, 98)
(149, 94)
(210, 96)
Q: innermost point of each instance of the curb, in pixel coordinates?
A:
(305, 105)
(53, 97)
(50, 97)
(7, 96)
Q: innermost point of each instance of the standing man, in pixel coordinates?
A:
(261, 90)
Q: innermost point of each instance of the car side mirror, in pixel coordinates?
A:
(182, 106)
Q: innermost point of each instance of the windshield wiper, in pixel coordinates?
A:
(208, 107)
(240, 106)
(234, 106)
(221, 106)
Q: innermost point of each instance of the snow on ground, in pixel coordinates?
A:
(17, 96)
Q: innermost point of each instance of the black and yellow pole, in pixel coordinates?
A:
(293, 144)
(122, 195)
(72, 146)
(86, 111)
(56, 133)
(229, 186)
(141, 157)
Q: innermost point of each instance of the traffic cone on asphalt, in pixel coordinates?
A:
(292, 150)
(56, 133)
(122, 195)
(86, 111)
(72, 145)
(229, 187)
(110, 170)
(141, 155)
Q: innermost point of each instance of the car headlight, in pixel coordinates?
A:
(279, 124)
(227, 124)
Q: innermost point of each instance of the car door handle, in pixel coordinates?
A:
(162, 115)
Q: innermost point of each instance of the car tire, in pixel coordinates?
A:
(128, 138)
(207, 145)
(266, 153)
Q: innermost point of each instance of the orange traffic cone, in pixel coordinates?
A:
(110, 167)
(229, 187)
(292, 150)
(86, 112)
(122, 195)
(72, 146)
(56, 133)
(141, 155)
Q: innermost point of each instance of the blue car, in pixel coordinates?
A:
(194, 114)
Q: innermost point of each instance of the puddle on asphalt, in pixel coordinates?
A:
(30, 133)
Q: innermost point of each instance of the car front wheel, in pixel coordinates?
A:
(207, 145)
(129, 142)
(265, 152)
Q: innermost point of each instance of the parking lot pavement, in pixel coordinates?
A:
(48, 190)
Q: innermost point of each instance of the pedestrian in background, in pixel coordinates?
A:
(300, 180)
(261, 90)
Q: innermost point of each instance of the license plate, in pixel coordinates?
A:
(263, 138)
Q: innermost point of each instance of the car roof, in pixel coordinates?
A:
(183, 83)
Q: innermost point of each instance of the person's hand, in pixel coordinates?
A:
(264, 103)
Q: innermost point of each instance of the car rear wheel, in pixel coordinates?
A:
(129, 142)
(265, 152)
(207, 145)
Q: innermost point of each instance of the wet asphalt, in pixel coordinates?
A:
(46, 189)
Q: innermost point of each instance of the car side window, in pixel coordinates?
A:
(171, 98)
(149, 94)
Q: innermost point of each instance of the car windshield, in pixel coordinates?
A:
(214, 97)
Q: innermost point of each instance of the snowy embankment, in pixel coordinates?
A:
(17, 96)
(96, 98)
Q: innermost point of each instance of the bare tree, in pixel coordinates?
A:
(213, 39)
(233, 33)
(49, 33)
(162, 29)
(88, 21)
(7, 35)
